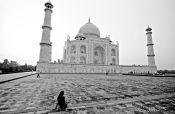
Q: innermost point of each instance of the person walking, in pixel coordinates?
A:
(38, 75)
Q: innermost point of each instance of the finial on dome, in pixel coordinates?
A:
(89, 20)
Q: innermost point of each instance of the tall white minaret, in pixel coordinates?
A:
(151, 60)
(46, 45)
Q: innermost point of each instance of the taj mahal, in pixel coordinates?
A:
(88, 52)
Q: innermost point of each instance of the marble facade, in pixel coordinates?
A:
(88, 52)
(89, 48)
(87, 68)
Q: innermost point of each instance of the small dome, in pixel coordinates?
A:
(148, 29)
(89, 29)
(49, 5)
(80, 36)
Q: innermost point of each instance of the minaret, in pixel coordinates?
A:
(151, 60)
(46, 45)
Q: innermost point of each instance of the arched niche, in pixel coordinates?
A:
(82, 49)
(99, 55)
(83, 60)
(113, 61)
(113, 52)
(73, 49)
(72, 59)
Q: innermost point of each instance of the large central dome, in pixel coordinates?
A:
(89, 29)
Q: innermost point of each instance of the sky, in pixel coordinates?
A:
(124, 20)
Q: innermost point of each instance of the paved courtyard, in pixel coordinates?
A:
(89, 94)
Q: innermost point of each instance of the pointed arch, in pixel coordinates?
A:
(73, 49)
(83, 60)
(99, 55)
(113, 52)
(113, 61)
(72, 59)
(82, 49)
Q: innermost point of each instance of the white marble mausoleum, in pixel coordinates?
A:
(88, 52)
(89, 48)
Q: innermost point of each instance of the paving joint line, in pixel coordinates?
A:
(17, 78)
(88, 105)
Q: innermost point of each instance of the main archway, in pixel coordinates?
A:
(99, 55)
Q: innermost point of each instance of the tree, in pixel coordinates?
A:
(5, 66)
(13, 66)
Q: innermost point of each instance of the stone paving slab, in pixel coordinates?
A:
(4, 77)
(88, 94)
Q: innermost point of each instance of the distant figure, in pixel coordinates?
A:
(107, 72)
(38, 75)
(61, 101)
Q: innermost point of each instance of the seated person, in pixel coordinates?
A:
(61, 101)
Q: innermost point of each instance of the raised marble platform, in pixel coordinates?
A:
(45, 67)
(89, 94)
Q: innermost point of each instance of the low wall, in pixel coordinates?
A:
(139, 69)
(79, 68)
